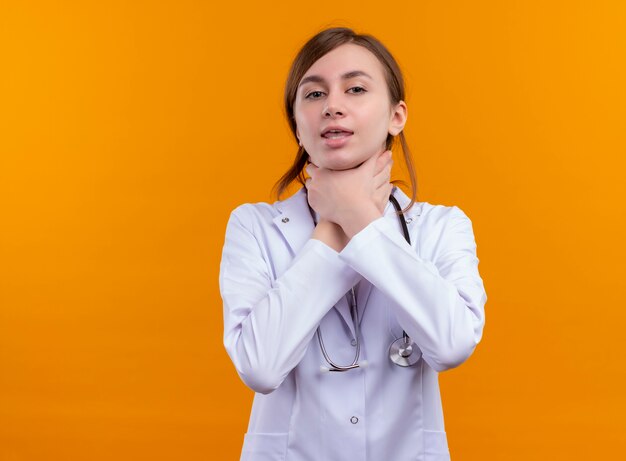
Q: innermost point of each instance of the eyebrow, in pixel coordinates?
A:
(346, 76)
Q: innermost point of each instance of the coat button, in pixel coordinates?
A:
(285, 220)
(353, 342)
(354, 420)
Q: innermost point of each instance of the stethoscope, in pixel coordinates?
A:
(402, 351)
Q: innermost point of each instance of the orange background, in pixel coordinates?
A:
(130, 130)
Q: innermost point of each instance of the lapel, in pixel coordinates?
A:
(294, 220)
(403, 199)
(296, 225)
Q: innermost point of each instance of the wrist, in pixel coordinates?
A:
(331, 234)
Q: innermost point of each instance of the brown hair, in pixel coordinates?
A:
(319, 45)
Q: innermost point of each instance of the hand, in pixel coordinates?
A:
(351, 198)
(331, 234)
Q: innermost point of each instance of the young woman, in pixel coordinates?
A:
(344, 301)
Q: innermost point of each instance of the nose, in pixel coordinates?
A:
(333, 108)
(332, 113)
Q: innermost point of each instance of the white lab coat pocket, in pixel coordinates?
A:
(264, 447)
(436, 446)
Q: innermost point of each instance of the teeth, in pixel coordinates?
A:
(332, 134)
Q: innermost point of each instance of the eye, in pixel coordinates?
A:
(357, 90)
(314, 95)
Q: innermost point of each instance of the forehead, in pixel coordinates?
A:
(346, 58)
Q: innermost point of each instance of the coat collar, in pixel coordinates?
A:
(294, 220)
(404, 201)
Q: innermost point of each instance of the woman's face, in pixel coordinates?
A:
(342, 109)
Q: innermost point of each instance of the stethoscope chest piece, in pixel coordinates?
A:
(404, 352)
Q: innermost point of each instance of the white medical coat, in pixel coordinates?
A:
(278, 285)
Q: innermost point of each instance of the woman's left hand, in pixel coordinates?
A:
(351, 198)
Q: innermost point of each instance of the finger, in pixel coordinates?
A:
(389, 190)
(381, 196)
(383, 176)
(384, 159)
(310, 169)
(381, 182)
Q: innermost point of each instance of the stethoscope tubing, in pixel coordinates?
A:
(355, 316)
(357, 332)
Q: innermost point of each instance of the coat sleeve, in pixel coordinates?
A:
(440, 304)
(269, 323)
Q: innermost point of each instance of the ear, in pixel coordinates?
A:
(298, 136)
(397, 121)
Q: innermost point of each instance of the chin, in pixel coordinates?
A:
(340, 166)
(339, 163)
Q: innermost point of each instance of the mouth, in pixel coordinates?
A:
(336, 133)
(336, 138)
